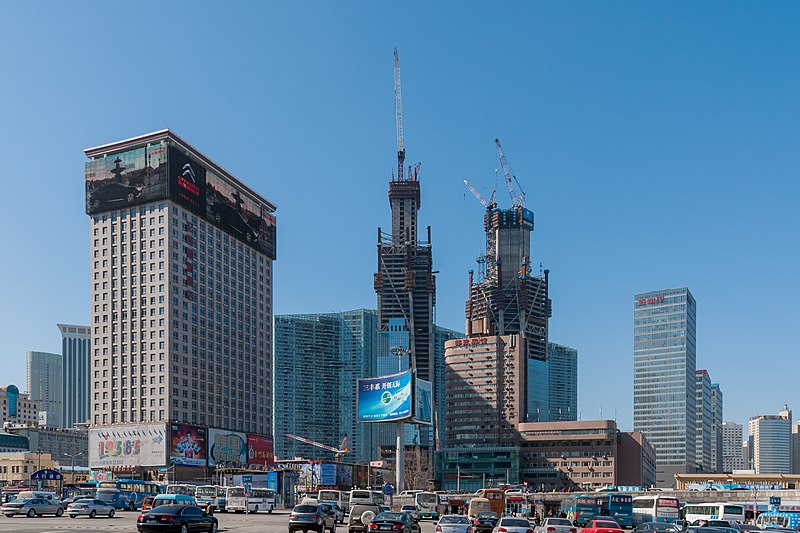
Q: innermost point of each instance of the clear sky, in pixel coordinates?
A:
(657, 143)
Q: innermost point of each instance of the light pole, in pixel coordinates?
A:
(72, 457)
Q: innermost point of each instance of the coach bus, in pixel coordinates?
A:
(497, 499)
(655, 509)
(580, 509)
(713, 511)
(618, 506)
(126, 493)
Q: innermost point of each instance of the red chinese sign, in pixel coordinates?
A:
(650, 301)
(260, 450)
(471, 342)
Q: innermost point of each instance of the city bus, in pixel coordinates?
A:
(713, 511)
(261, 499)
(210, 498)
(580, 509)
(428, 505)
(182, 488)
(655, 509)
(784, 519)
(126, 493)
(496, 497)
(617, 506)
(235, 500)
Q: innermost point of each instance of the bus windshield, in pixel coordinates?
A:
(208, 491)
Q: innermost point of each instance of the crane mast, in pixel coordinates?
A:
(398, 112)
(477, 195)
(338, 451)
(516, 200)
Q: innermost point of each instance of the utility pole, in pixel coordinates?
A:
(458, 478)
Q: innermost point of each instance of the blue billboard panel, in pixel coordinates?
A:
(385, 398)
(423, 402)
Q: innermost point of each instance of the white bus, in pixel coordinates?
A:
(189, 490)
(210, 498)
(655, 509)
(428, 505)
(235, 500)
(339, 497)
(713, 511)
(261, 500)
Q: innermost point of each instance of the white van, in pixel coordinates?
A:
(49, 496)
(364, 496)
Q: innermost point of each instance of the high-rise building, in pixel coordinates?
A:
(76, 375)
(703, 422)
(770, 443)
(747, 456)
(404, 282)
(181, 288)
(795, 447)
(563, 382)
(17, 407)
(716, 427)
(442, 336)
(44, 380)
(498, 375)
(318, 358)
(732, 456)
(664, 359)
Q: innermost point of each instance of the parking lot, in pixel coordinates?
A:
(126, 521)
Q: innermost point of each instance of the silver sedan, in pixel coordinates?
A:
(453, 523)
(89, 507)
(513, 525)
(31, 507)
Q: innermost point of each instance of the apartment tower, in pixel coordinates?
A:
(732, 438)
(44, 381)
(181, 277)
(664, 359)
(771, 443)
(76, 376)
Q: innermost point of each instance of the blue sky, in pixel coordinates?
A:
(656, 142)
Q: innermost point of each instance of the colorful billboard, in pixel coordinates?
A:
(327, 474)
(126, 179)
(423, 401)
(260, 450)
(226, 448)
(187, 181)
(188, 445)
(384, 398)
(128, 446)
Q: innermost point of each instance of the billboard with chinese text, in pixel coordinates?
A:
(423, 401)
(187, 181)
(385, 398)
(187, 445)
(260, 450)
(128, 446)
(126, 179)
(227, 448)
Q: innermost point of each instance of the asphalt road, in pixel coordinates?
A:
(126, 521)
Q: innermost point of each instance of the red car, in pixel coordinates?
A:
(602, 526)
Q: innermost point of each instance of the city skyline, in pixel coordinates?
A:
(617, 133)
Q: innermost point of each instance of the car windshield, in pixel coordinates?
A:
(606, 525)
(661, 527)
(559, 522)
(408, 508)
(396, 517)
(514, 522)
(84, 501)
(454, 520)
(305, 509)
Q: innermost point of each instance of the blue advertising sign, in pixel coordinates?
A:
(272, 481)
(385, 398)
(327, 474)
(775, 500)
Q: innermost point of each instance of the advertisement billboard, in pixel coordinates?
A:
(260, 450)
(187, 445)
(423, 401)
(327, 474)
(384, 398)
(226, 448)
(128, 446)
(126, 179)
(239, 214)
(187, 181)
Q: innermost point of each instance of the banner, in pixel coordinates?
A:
(188, 445)
(260, 450)
(228, 448)
(128, 446)
(385, 398)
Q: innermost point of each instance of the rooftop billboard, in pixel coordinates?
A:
(385, 398)
(228, 448)
(128, 446)
(126, 179)
(187, 445)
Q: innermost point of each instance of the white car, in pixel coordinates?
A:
(411, 510)
(559, 525)
(512, 525)
(91, 508)
(453, 523)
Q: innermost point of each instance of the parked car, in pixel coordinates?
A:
(31, 507)
(178, 518)
(361, 514)
(602, 526)
(745, 527)
(485, 521)
(657, 527)
(147, 503)
(114, 193)
(412, 511)
(67, 501)
(231, 218)
(90, 507)
(513, 525)
(557, 525)
(309, 517)
(453, 523)
(337, 511)
(391, 521)
(711, 523)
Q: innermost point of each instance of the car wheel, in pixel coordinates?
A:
(111, 513)
(59, 511)
(73, 516)
(131, 197)
(92, 513)
(184, 528)
(213, 527)
(249, 237)
(131, 506)
(218, 217)
(31, 513)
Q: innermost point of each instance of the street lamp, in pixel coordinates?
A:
(72, 456)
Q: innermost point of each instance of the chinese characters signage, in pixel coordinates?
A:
(385, 398)
(650, 301)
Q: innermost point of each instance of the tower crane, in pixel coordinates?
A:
(398, 115)
(516, 201)
(487, 204)
(340, 451)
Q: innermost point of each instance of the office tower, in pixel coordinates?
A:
(732, 456)
(44, 380)
(795, 447)
(563, 382)
(181, 299)
(75, 373)
(747, 456)
(318, 359)
(404, 282)
(489, 379)
(770, 443)
(716, 427)
(703, 423)
(17, 407)
(442, 335)
(664, 406)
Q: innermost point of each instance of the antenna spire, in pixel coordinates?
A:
(398, 111)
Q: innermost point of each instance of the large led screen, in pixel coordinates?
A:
(385, 398)
(126, 179)
(188, 445)
(187, 181)
(128, 446)
(226, 448)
